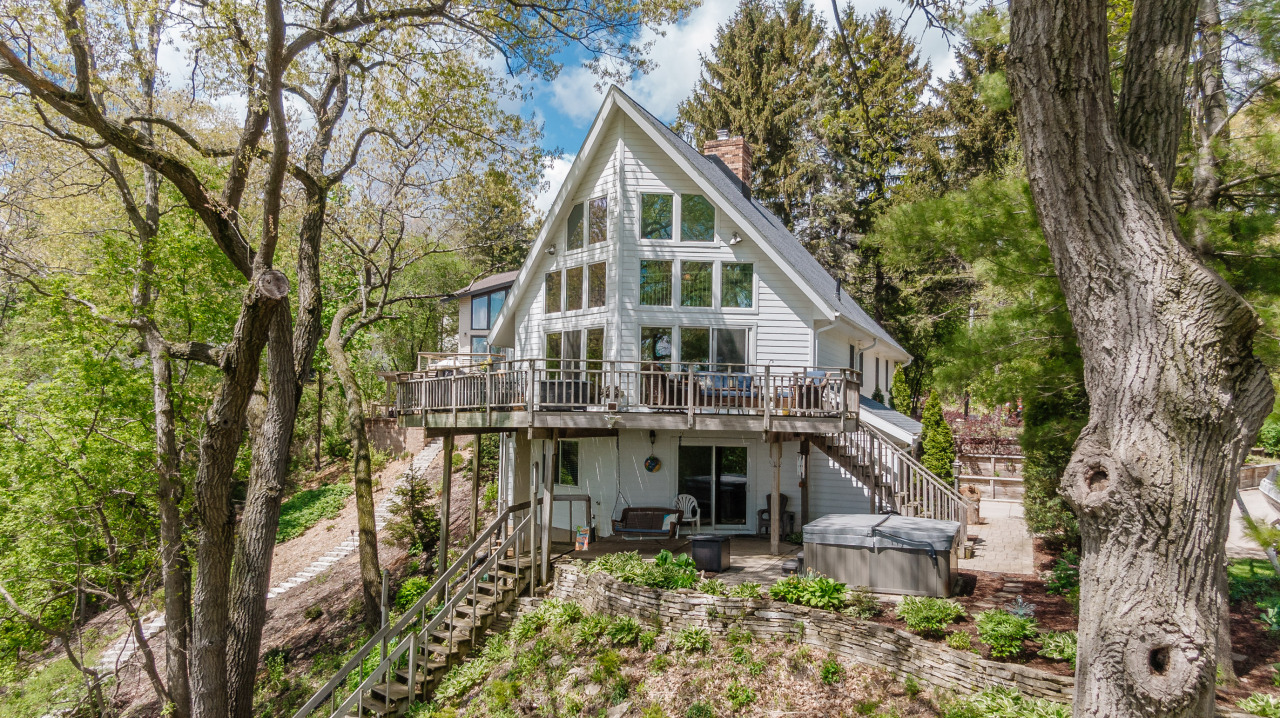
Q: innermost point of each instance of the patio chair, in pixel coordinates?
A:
(764, 518)
(692, 514)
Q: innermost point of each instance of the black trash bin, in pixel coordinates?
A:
(710, 552)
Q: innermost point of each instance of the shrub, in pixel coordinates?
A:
(490, 495)
(699, 709)
(745, 590)
(960, 640)
(692, 640)
(561, 613)
(1269, 436)
(608, 663)
(859, 603)
(647, 640)
(1252, 580)
(832, 672)
(1004, 632)
(666, 571)
(927, 616)
(653, 711)
(591, 628)
(308, 508)
(624, 631)
(939, 443)
(911, 686)
(711, 586)
(739, 696)
(739, 637)
(312, 613)
(1064, 577)
(795, 537)
(812, 589)
(1262, 705)
(1059, 646)
(410, 591)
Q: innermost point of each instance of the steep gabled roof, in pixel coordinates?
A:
(728, 193)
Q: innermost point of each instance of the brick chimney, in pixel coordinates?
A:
(734, 152)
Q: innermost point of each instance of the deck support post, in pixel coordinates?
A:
(775, 513)
(804, 481)
(535, 477)
(445, 481)
(475, 489)
(548, 500)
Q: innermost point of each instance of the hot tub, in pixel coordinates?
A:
(886, 554)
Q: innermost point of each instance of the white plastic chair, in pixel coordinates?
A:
(689, 508)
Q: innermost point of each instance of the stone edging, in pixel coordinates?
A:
(894, 650)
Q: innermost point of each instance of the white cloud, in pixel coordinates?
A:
(553, 175)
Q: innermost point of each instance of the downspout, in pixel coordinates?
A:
(813, 349)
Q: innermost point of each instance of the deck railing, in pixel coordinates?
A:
(613, 386)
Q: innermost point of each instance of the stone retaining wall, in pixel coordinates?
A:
(859, 641)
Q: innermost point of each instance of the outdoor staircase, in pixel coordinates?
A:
(893, 477)
(440, 629)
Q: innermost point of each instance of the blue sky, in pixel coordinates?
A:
(567, 105)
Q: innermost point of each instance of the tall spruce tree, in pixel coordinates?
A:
(758, 82)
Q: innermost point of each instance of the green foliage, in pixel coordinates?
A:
(911, 686)
(666, 571)
(591, 628)
(831, 672)
(608, 664)
(900, 398)
(739, 696)
(812, 589)
(877, 396)
(737, 636)
(647, 640)
(313, 612)
(1064, 577)
(1059, 646)
(415, 520)
(1004, 703)
(960, 640)
(929, 616)
(1269, 435)
(1252, 580)
(308, 508)
(699, 709)
(860, 603)
(624, 631)
(712, 586)
(410, 591)
(1004, 632)
(746, 589)
(692, 639)
(939, 443)
(653, 711)
(1261, 704)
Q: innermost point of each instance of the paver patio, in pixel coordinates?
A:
(1003, 544)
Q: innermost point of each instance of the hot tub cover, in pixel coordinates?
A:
(876, 531)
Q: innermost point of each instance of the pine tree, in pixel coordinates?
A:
(900, 394)
(939, 443)
(758, 82)
(877, 396)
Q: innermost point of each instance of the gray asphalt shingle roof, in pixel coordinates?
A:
(771, 228)
(902, 421)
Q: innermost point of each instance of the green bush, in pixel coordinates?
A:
(608, 664)
(928, 616)
(647, 640)
(1252, 580)
(711, 586)
(591, 628)
(666, 571)
(812, 589)
(745, 590)
(312, 613)
(860, 603)
(832, 672)
(699, 709)
(1004, 703)
(410, 591)
(1059, 646)
(308, 508)
(1262, 705)
(561, 613)
(739, 696)
(1064, 577)
(960, 640)
(692, 640)
(624, 631)
(1269, 436)
(939, 443)
(1004, 632)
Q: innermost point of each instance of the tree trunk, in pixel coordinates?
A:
(361, 469)
(219, 445)
(1208, 125)
(1176, 396)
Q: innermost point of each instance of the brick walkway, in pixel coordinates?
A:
(1003, 544)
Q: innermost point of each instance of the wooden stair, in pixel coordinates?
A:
(470, 616)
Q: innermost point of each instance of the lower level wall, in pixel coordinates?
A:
(387, 436)
(859, 641)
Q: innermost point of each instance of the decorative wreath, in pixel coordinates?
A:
(652, 464)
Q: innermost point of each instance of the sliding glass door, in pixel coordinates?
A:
(716, 476)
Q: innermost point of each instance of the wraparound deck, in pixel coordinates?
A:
(594, 395)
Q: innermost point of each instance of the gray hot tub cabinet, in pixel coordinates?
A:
(886, 554)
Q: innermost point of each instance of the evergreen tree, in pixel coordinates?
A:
(899, 394)
(758, 82)
(877, 396)
(939, 444)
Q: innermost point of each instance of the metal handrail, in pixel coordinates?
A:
(439, 588)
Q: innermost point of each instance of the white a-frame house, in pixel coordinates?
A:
(667, 343)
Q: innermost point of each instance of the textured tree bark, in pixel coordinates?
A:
(361, 469)
(1176, 396)
(1208, 124)
(223, 433)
